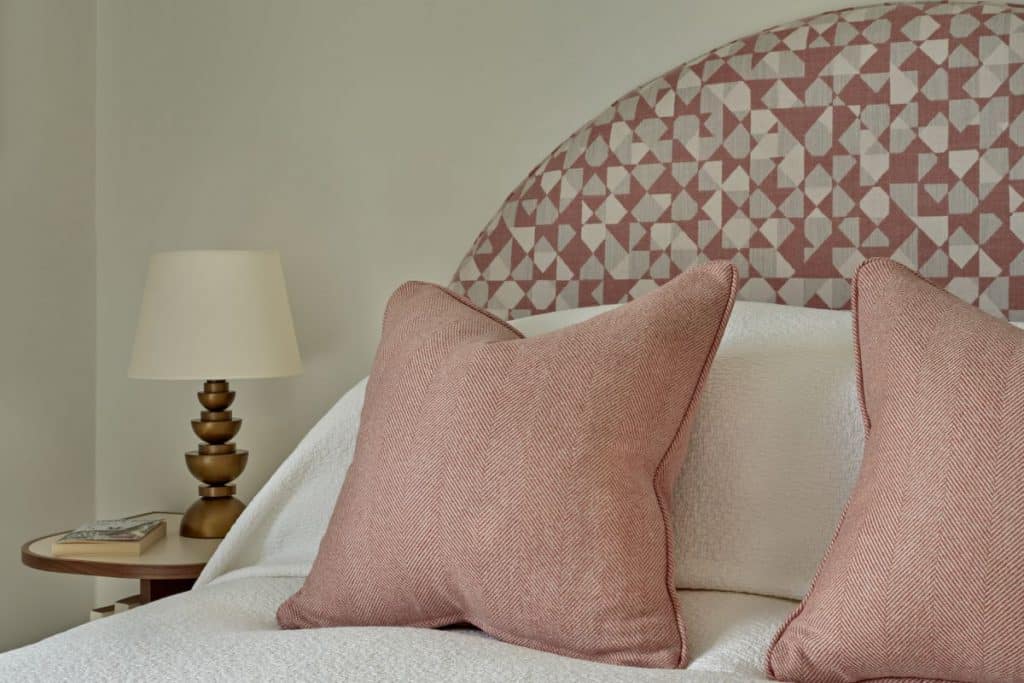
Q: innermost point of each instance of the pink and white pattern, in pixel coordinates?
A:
(795, 153)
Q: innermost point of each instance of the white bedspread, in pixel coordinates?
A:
(225, 628)
(226, 632)
(279, 533)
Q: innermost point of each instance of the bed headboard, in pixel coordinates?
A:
(796, 153)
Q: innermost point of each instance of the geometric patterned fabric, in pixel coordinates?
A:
(795, 153)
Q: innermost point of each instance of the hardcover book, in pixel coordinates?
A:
(111, 537)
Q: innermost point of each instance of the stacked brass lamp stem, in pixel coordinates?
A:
(216, 464)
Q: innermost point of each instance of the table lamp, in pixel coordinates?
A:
(214, 316)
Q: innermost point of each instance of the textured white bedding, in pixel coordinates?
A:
(773, 454)
(227, 632)
(774, 451)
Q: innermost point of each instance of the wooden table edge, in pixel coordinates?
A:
(115, 570)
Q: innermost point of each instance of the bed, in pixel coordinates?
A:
(795, 153)
(224, 629)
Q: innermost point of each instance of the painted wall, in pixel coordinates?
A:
(368, 141)
(47, 296)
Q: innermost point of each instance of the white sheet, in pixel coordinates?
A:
(226, 632)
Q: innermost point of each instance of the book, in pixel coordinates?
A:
(125, 604)
(111, 537)
(101, 612)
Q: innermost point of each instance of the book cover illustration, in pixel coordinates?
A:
(111, 530)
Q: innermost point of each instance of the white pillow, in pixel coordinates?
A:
(775, 449)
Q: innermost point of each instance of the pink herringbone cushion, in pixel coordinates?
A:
(522, 485)
(925, 577)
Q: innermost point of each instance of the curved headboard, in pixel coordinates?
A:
(796, 153)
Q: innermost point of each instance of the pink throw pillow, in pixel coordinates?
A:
(522, 485)
(924, 579)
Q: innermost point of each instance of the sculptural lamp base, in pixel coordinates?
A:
(216, 463)
(211, 517)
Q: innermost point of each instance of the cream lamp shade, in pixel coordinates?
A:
(212, 314)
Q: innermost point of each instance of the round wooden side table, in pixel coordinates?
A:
(169, 566)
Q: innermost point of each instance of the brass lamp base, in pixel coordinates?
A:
(216, 463)
(211, 517)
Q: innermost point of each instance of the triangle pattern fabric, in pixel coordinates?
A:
(797, 153)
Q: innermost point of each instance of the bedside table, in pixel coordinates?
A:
(169, 566)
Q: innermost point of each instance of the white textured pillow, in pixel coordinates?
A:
(774, 451)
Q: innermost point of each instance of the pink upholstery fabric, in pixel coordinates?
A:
(522, 485)
(925, 577)
(795, 153)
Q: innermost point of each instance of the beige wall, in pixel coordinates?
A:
(47, 299)
(368, 141)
